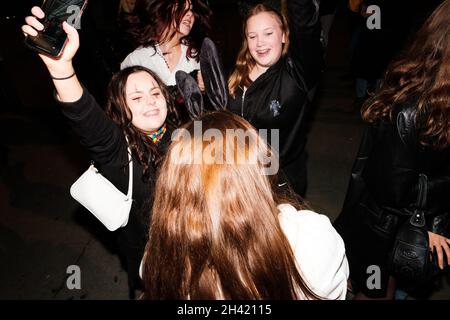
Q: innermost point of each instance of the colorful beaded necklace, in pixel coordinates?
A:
(157, 135)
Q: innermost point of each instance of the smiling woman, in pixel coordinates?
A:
(277, 70)
(265, 38)
(146, 102)
(139, 110)
(169, 36)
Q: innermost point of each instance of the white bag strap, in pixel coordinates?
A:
(130, 173)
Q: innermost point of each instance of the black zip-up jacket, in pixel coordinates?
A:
(107, 147)
(278, 99)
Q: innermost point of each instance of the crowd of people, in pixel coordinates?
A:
(204, 228)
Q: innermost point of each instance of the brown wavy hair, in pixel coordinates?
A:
(215, 232)
(420, 74)
(156, 16)
(245, 62)
(141, 146)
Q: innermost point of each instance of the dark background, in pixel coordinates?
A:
(43, 230)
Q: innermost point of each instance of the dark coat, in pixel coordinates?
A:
(383, 183)
(278, 99)
(107, 147)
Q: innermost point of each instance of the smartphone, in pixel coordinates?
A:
(52, 39)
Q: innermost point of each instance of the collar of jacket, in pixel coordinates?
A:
(269, 72)
(272, 69)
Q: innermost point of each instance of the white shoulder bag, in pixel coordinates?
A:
(97, 194)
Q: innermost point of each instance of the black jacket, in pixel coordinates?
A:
(278, 99)
(107, 147)
(384, 182)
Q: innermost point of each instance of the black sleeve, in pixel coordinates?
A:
(438, 183)
(104, 140)
(305, 47)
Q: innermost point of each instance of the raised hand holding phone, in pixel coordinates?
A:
(51, 38)
(60, 68)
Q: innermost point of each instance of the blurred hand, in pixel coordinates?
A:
(440, 244)
(58, 67)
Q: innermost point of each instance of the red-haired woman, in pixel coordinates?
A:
(221, 231)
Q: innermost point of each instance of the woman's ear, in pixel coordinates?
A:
(213, 76)
(191, 93)
(283, 37)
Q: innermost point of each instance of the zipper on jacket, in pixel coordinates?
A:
(242, 102)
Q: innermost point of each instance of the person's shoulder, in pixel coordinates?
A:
(143, 52)
(405, 115)
(188, 60)
(304, 219)
(185, 48)
(407, 107)
(138, 56)
(308, 228)
(319, 250)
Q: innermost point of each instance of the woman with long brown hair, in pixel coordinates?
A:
(139, 110)
(220, 231)
(276, 73)
(408, 137)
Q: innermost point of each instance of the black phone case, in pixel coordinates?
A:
(52, 39)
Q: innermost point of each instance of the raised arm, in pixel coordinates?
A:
(319, 251)
(305, 46)
(61, 70)
(97, 131)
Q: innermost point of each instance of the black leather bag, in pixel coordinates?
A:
(410, 261)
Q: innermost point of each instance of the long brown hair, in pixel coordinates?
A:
(422, 75)
(215, 232)
(245, 62)
(117, 109)
(156, 17)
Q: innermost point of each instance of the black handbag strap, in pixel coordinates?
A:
(418, 217)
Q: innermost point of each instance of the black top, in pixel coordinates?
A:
(278, 99)
(107, 147)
